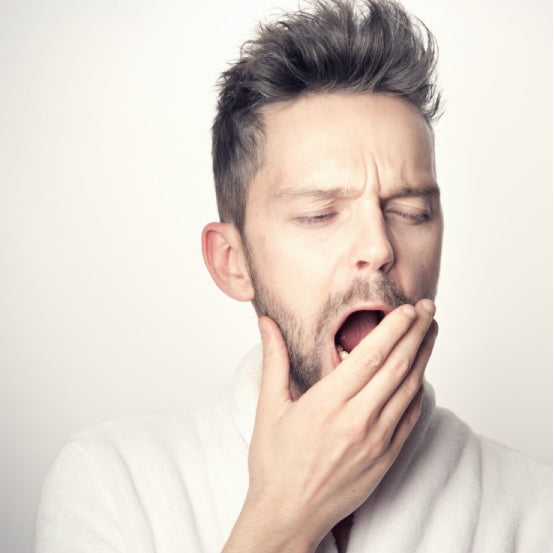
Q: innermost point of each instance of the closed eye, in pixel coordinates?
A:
(416, 218)
(316, 218)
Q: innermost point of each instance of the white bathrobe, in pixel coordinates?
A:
(176, 484)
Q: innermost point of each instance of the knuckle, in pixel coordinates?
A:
(373, 358)
(413, 412)
(358, 428)
(357, 435)
(413, 415)
(379, 444)
(412, 385)
(400, 365)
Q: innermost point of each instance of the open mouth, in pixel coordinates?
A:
(356, 326)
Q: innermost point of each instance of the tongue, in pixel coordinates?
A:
(356, 327)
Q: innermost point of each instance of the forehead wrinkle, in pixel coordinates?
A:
(316, 192)
(398, 179)
(330, 180)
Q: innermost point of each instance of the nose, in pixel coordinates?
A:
(373, 249)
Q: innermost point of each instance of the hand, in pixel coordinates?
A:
(313, 461)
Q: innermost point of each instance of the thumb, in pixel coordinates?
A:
(275, 376)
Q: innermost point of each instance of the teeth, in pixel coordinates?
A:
(342, 354)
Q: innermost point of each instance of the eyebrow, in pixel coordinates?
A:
(315, 192)
(427, 189)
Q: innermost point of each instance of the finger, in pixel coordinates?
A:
(392, 442)
(275, 373)
(397, 405)
(399, 363)
(368, 356)
(406, 424)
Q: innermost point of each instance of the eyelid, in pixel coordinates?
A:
(416, 202)
(416, 216)
(315, 218)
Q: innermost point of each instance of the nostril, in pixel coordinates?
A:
(362, 264)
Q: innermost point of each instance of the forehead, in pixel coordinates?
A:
(344, 140)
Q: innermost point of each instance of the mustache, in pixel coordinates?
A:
(378, 289)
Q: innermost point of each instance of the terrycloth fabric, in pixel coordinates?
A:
(176, 484)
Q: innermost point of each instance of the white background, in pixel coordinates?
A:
(106, 309)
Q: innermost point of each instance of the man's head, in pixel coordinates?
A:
(325, 176)
(339, 46)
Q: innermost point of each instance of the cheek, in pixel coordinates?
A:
(417, 262)
(300, 274)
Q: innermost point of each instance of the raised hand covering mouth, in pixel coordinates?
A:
(342, 322)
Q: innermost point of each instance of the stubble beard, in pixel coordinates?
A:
(306, 346)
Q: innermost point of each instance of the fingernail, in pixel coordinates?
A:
(429, 306)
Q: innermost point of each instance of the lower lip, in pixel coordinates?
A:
(335, 356)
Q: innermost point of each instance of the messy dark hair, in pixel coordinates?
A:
(334, 46)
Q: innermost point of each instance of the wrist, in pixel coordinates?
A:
(261, 528)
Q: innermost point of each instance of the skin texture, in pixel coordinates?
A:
(345, 206)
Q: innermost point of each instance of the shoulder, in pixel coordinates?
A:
(113, 460)
(114, 481)
(162, 430)
(136, 444)
(515, 490)
(493, 455)
(494, 458)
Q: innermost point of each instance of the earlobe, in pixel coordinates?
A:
(224, 257)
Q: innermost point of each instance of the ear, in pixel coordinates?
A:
(224, 257)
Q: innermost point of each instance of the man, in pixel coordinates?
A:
(331, 225)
